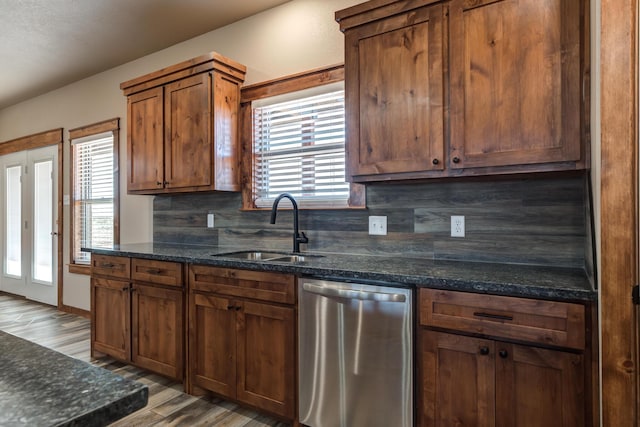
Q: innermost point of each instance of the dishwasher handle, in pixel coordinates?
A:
(333, 291)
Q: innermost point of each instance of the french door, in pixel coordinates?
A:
(29, 224)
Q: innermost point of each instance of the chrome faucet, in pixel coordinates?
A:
(298, 237)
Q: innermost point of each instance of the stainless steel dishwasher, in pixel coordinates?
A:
(355, 355)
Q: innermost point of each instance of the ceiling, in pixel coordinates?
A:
(47, 44)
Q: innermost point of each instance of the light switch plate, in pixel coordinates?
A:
(378, 225)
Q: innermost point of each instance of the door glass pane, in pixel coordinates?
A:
(13, 260)
(43, 222)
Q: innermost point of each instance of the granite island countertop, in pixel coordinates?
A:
(41, 387)
(563, 284)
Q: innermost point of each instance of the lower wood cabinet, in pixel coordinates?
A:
(157, 330)
(139, 320)
(110, 318)
(243, 348)
(478, 382)
(482, 381)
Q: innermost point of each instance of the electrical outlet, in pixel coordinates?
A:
(457, 226)
(378, 225)
(210, 219)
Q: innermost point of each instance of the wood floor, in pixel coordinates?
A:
(168, 405)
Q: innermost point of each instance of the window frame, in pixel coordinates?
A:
(113, 126)
(281, 86)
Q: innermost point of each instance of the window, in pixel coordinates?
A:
(13, 221)
(299, 149)
(297, 127)
(94, 189)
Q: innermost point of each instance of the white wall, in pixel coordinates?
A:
(297, 36)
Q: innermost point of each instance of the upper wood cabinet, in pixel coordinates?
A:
(515, 82)
(436, 89)
(395, 94)
(182, 127)
(145, 140)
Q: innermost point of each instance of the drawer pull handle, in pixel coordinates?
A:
(493, 316)
(154, 271)
(107, 265)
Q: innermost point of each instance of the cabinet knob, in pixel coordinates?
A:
(503, 354)
(158, 183)
(484, 350)
(456, 160)
(126, 288)
(435, 161)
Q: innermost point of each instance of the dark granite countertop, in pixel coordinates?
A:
(501, 279)
(41, 387)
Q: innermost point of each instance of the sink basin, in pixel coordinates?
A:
(252, 255)
(267, 256)
(290, 258)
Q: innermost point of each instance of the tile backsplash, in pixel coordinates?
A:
(534, 220)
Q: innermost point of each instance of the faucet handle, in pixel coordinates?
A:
(302, 238)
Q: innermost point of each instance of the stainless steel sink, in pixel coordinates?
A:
(252, 255)
(290, 258)
(267, 256)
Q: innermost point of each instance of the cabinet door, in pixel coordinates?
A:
(145, 141)
(226, 134)
(212, 343)
(157, 330)
(394, 95)
(188, 146)
(457, 380)
(110, 318)
(538, 388)
(515, 82)
(266, 357)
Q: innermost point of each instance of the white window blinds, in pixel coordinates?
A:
(299, 148)
(93, 194)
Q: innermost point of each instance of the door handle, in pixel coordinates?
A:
(493, 316)
(330, 291)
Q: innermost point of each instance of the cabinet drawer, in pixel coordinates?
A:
(158, 272)
(275, 287)
(112, 266)
(545, 322)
